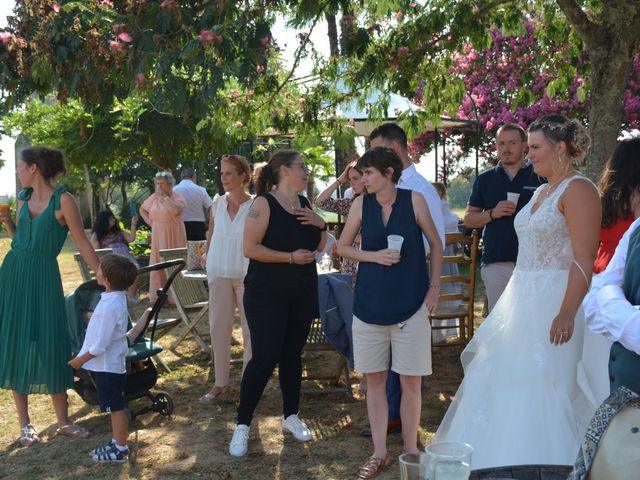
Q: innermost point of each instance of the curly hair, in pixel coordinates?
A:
(621, 177)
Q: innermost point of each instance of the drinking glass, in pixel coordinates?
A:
(4, 204)
(449, 460)
(414, 466)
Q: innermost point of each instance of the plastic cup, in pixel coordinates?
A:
(449, 461)
(513, 197)
(394, 242)
(414, 466)
(133, 209)
(4, 204)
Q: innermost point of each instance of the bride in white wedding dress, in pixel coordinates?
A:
(525, 397)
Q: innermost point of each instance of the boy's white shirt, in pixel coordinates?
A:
(106, 334)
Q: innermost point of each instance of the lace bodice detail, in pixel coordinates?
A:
(543, 236)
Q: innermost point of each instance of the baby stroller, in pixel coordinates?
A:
(141, 371)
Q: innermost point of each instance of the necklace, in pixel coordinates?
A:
(551, 187)
(284, 201)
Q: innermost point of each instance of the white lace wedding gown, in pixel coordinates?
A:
(523, 400)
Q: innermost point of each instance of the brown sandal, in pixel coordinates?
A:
(73, 430)
(372, 467)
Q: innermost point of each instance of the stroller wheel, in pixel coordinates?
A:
(163, 403)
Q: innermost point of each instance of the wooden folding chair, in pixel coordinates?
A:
(462, 311)
(85, 270)
(192, 301)
(317, 342)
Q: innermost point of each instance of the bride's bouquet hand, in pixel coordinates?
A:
(561, 329)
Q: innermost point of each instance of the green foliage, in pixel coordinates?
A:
(142, 243)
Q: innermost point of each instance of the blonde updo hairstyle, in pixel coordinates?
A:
(558, 128)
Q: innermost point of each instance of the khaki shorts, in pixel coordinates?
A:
(409, 347)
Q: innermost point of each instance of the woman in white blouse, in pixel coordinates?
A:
(226, 269)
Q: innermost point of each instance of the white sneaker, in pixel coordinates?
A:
(240, 441)
(296, 426)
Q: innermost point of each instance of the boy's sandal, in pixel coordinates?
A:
(372, 467)
(28, 436)
(73, 430)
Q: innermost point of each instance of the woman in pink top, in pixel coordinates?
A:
(162, 211)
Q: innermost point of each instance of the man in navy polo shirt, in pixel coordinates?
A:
(489, 208)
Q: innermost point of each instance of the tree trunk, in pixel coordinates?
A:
(88, 191)
(124, 211)
(610, 68)
(332, 32)
(610, 39)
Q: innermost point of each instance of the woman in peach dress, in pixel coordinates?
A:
(162, 211)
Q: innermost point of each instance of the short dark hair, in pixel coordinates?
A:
(188, 172)
(514, 127)
(382, 158)
(390, 131)
(118, 270)
(50, 161)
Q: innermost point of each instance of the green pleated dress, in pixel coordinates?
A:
(34, 338)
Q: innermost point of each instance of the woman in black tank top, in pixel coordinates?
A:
(282, 234)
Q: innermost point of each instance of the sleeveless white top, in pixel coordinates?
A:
(225, 257)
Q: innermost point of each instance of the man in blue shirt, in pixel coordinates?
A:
(489, 207)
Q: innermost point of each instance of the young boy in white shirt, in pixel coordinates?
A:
(105, 347)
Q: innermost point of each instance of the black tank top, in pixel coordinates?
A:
(285, 234)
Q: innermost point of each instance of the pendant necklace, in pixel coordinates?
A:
(552, 187)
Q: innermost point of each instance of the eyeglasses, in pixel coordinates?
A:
(163, 174)
(301, 165)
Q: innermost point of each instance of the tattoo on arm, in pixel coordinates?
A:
(253, 213)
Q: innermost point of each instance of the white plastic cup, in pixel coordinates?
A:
(513, 197)
(394, 242)
(449, 460)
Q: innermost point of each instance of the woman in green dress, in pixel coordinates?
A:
(34, 339)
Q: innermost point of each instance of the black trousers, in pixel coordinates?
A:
(279, 325)
(195, 230)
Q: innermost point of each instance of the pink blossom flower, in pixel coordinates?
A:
(5, 37)
(125, 37)
(141, 80)
(206, 36)
(116, 46)
(56, 7)
(106, 3)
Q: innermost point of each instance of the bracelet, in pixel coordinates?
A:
(323, 229)
(290, 258)
(434, 285)
(491, 214)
